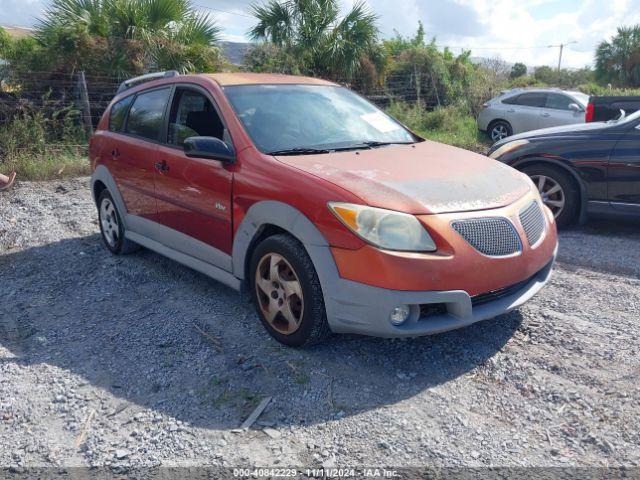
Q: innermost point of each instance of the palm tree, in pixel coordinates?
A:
(125, 37)
(312, 30)
(618, 61)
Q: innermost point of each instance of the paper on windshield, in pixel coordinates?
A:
(380, 122)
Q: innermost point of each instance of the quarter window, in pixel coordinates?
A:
(118, 114)
(193, 115)
(147, 112)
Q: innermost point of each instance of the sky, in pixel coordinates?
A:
(519, 31)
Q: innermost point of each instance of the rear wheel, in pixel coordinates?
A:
(499, 130)
(287, 293)
(558, 191)
(112, 227)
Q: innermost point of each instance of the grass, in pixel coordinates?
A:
(450, 125)
(46, 166)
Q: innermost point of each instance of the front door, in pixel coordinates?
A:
(193, 194)
(624, 172)
(557, 111)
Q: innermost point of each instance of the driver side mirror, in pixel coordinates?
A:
(575, 107)
(209, 147)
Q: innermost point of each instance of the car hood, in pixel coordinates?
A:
(421, 178)
(554, 131)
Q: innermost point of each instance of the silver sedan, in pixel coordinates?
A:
(522, 110)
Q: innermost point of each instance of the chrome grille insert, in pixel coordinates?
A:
(532, 220)
(492, 236)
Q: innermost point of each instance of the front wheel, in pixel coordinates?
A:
(287, 293)
(557, 190)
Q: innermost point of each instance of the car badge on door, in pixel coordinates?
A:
(220, 206)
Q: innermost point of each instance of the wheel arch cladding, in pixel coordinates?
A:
(565, 167)
(102, 176)
(276, 217)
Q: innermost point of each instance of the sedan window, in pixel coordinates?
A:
(559, 102)
(532, 99)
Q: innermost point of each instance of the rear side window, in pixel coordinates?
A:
(511, 100)
(118, 114)
(147, 112)
(532, 99)
(559, 102)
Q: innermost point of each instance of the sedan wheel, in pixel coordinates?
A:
(499, 131)
(279, 293)
(551, 192)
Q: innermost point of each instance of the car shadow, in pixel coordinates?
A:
(166, 338)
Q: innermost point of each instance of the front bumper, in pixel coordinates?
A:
(363, 309)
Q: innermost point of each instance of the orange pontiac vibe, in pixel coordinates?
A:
(333, 216)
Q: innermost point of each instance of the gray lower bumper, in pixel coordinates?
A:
(357, 308)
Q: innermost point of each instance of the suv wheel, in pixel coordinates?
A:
(287, 293)
(558, 192)
(111, 226)
(499, 130)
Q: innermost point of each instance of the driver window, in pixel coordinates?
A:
(193, 115)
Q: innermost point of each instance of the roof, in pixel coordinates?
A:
(243, 78)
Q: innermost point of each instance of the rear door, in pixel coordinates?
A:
(524, 111)
(624, 172)
(556, 111)
(133, 150)
(194, 194)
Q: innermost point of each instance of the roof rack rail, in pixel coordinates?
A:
(132, 82)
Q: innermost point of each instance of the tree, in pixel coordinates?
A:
(518, 70)
(618, 61)
(121, 38)
(313, 32)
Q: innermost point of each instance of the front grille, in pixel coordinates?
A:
(493, 236)
(532, 220)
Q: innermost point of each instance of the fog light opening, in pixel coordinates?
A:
(400, 314)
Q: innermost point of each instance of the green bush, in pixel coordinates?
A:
(451, 125)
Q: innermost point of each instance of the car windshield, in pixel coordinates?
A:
(308, 119)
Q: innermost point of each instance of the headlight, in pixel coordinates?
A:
(384, 228)
(508, 147)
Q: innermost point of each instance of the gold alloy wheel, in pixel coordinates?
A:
(279, 293)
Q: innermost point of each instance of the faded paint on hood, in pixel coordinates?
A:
(422, 178)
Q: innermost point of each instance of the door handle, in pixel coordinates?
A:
(162, 166)
(511, 111)
(545, 114)
(115, 153)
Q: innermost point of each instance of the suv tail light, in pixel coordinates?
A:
(485, 105)
(588, 116)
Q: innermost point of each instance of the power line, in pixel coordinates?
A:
(225, 11)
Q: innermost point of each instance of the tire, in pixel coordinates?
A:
(569, 191)
(499, 129)
(111, 226)
(276, 263)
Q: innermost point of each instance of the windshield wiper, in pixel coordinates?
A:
(299, 151)
(371, 144)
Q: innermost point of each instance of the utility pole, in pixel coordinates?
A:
(561, 46)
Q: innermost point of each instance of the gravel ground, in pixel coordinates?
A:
(137, 361)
